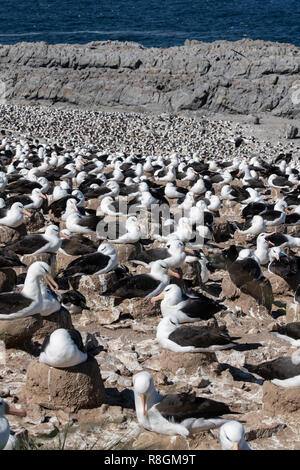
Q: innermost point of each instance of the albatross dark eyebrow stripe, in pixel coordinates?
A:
(227, 437)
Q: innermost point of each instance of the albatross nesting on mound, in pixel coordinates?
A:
(180, 414)
(188, 338)
(174, 254)
(143, 285)
(283, 371)
(287, 267)
(36, 243)
(185, 307)
(14, 216)
(63, 348)
(30, 300)
(133, 234)
(232, 436)
(102, 261)
(245, 272)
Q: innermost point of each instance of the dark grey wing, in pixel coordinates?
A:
(216, 179)
(76, 247)
(28, 244)
(291, 219)
(87, 264)
(261, 291)
(11, 302)
(8, 258)
(203, 307)
(90, 221)
(73, 297)
(199, 336)
(22, 186)
(282, 181)
(94, 193)
(154, 254)
(285, 267)
(76, 337)
(245, 225)
(45, 343)
(293, 330)
(253, 208)
(133, 286)
(277, 239)
(25, 200)
(126, 190)
(243, 271)
(183, 406)
(3, 212)
(272, 215)
(59, 206)
(281, 368)
(114, 230)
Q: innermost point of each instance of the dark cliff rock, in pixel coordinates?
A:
(233, 77)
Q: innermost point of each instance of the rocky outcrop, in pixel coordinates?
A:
(242, 77)
(70, 388)
(279, 400)
(19, 333)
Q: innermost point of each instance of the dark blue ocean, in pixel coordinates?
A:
(161, 23)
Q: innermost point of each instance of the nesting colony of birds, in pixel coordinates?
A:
(149, 282)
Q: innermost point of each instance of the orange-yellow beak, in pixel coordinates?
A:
(158, 297)
(235, 446)
(51, 283)
(25, 212)
(11, 410)
(63, 235)
(143, 398)
(188, 250)
(172, 273)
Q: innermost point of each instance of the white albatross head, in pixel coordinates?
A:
(232, 436)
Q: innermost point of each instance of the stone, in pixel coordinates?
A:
(92, 286)
(43, 430)
(110, 363)
(152, 441)
(126, 251)
(229, 290)
(70, 388)
(292, 312)
(191, 77)
(63, 260)
(129, 359)
(188, 363)
(280, 400)
(8, 234)
(140, 308)
(102, 415)
(30, 259)
(237, 298)
(291, 132)
(50, 323)
(279, 285)
(19, 333)
(35, 222)
(106, 310)
(8, 279)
